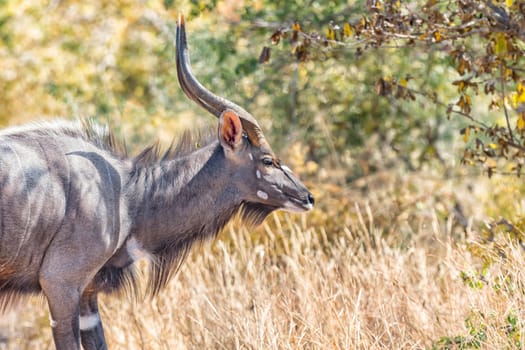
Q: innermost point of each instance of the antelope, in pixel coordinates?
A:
(76, 212)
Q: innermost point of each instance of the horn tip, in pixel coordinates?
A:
(181, 22)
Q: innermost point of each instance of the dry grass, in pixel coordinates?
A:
(385, 270)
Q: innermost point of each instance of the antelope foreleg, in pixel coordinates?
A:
(64, 313)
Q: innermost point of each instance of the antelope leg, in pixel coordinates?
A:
(91, 330)
(64, 313)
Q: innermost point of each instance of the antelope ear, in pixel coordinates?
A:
(230, 130)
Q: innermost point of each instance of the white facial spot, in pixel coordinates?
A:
(89, 321)
(250, 155)
(135, 250)
(262, 195)
(52, 322)
(286, 169)
(258, 174)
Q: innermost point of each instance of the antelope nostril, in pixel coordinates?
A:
(310, 199)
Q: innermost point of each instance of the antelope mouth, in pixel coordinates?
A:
(296, 204)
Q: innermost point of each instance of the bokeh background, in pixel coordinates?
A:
(402, 135)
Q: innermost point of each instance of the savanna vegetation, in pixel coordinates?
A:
(405, 118)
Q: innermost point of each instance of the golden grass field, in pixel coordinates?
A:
(381, 264)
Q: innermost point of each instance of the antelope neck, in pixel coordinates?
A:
(182, 200)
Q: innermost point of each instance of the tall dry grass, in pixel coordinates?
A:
(387, 268)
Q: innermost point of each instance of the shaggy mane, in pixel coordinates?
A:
(102, 136)
(188, 143)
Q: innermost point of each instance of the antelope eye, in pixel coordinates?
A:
(267, 161)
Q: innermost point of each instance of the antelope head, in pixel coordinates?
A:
(260, 177)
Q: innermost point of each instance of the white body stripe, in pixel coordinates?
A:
(89, 321)
(52, 322)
